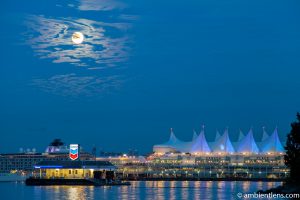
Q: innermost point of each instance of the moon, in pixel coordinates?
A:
(77, 38)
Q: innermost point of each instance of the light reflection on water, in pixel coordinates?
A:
(149, 190)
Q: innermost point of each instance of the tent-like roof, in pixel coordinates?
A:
(194, 135)
(248, 144)
(175, 143)
(172, 140)
(236, 143)
(217, 135)
(272, 144)
(170, 143)
(200, 144)
(265, 134)
(241, 136)
(223, 144)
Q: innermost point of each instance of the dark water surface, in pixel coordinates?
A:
(138, 190)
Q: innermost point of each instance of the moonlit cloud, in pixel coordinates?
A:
(105, 43)
(103, 5)
(75, 85)
(129, 17)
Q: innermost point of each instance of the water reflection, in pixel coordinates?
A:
(149, 190)
(197, 185)
(160, 191)
(172, 190)
(246, 186)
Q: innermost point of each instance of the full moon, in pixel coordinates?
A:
(77, 37)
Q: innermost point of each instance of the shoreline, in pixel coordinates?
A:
(206, 179)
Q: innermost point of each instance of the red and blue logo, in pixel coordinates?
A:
(74, 151)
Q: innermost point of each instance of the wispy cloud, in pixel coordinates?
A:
(75, 85)
(129, 17)
(103, 5)
(105, 43)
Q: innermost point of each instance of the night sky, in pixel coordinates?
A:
(145, 66)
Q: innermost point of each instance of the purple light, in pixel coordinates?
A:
(43, 167)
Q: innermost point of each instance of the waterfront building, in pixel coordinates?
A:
(222, 144)
(74, 172)
(199, 144)
(247, 145)
(24, 161)
(127, 166)
(272, 144)
(265, 135)
(245, 158)
(123, 160)
(73, 169)
(241, 136)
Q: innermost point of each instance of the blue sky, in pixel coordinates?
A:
(145, 66)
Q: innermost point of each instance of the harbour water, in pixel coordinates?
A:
(138, 190)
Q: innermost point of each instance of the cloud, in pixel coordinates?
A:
(74, 85)
(105, 43)
(129, 17)
(103, 5)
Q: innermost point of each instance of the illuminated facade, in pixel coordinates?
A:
(26, 161)
(193, 166)
(74, 172)
(245, 158)
(73, 169)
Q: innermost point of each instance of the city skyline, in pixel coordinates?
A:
(233, 137)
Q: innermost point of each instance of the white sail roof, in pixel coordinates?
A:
(217, 135)
(194, 135)
(175, 143)
(241, 136)
(272, 144)
(265, 135)
(200, 144)
(248, 144)
(171, 142)
(223, 144)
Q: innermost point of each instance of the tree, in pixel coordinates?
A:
(292, 157)
(56, 143)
